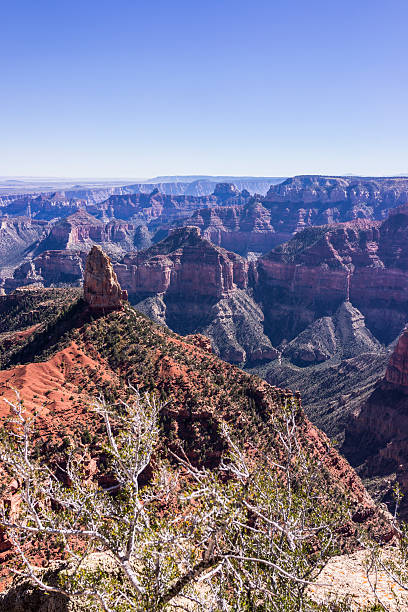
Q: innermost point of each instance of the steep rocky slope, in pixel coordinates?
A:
(194, 286)
(319, 268)
(342, 335)
(377, 436)
(18, 239)
(73, 355)
(331, 391)
(81, 230)
(335, 362)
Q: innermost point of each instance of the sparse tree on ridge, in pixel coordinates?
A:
(249, 535)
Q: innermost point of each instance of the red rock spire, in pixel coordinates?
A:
(101, 287)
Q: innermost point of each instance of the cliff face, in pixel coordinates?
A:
(362, 261)
(183, 264)
(397, 370)
(101, 288)
(81, 230)
(194, 286)
(49, 268)
(377, 437)
(242, 229)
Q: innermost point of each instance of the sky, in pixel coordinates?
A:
(129, 88)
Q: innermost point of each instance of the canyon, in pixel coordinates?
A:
(311, 307)
(376, 435)
(233, 215)
(294, 292)
(79, 345)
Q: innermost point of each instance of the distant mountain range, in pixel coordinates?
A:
(176, 185)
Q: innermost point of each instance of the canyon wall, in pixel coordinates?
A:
(361, 261)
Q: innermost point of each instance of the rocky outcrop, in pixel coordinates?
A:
(310, 276)
(80, 231)
(226, 190)
(101, 288)
(343, 335)
(183, 265)
(56, 268)
(242, 229)
(397, 370)
(376, 439)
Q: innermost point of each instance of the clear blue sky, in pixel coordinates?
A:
(129, 88)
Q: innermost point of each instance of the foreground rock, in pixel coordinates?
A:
(346, 577)
(101, 288)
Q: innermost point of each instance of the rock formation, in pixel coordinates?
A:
(80, 231)
(397, 370)
(242, 229)
(361, 261)
(184, 264)
(49, 268)
(192, 286)
(377, 437)
(101, 288)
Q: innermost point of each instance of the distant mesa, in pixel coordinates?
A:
(101, 287)
(226, 189)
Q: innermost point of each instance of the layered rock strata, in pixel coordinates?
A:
(101, 288)
(377, 437)
(242, 229)
(81, 230)
(193, 286)
(56, 268)
(310, 276)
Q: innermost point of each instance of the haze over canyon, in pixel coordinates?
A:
(232, 298)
